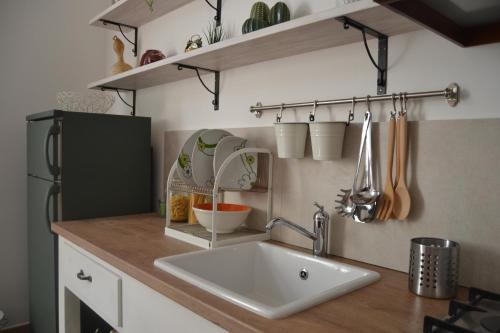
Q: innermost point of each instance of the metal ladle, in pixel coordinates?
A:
(366, 199)
(347, 206)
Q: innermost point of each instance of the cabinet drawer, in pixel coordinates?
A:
(95, 285)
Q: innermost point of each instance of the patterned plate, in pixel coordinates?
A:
(184, 165)
(242, 171)
(202, 156)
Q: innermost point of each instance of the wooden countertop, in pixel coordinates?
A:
(132, 243)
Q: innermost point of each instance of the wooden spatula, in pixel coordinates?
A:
(402, 199)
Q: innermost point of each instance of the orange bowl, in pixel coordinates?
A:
(223, 207)
(227, 218)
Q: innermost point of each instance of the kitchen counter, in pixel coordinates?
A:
(132, 243)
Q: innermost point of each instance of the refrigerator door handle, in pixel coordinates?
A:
(53, 132)
(53, 190)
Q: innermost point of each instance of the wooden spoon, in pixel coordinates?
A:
(402, 202)
(398, 144)
(385, 210)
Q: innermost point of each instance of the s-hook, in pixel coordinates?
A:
(367, 101)
(394, 111)
(312, 115)
(120, 25)
(215, 92)
(381, 64)
(218, 10)
(405, 100)
(280, 114)
(350, 117)
(403, 103)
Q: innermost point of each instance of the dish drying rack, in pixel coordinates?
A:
(196, 234)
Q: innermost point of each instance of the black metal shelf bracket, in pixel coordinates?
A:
(117, 90)
(383, 49)
(216, 90)
(218, 10)
(120, 26)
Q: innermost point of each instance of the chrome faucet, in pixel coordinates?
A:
(320, 236)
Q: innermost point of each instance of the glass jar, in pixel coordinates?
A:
(196, 199)
(179, 206)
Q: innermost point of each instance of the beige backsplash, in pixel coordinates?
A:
(453, 181)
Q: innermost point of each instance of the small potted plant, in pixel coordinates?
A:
(214, 34)
(150, 4)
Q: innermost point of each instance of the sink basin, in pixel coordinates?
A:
(269, 280)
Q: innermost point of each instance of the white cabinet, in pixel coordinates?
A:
(125, 303)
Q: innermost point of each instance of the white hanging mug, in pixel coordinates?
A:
(290, 138)
(327, 139)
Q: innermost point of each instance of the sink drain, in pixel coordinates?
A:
(303, 274)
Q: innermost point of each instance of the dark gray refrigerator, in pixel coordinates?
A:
(80, 165)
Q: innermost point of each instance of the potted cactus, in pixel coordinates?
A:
(260, 11)
(261, 16)
(279, 13)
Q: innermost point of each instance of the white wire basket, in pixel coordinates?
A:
(89, 101)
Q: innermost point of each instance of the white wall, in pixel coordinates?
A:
(418, 61)
(46, 46)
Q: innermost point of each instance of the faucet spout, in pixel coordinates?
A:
(319, 236)
(281, 221)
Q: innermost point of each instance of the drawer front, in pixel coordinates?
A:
(95, 285)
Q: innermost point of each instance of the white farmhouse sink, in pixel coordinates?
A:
(266, 278)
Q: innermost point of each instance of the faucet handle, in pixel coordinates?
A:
(320, 215)
(321, 208)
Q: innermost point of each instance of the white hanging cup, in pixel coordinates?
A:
(327, 140)
(290, 138)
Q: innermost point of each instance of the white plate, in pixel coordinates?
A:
(202, 157)
(242, 171)
(184, 165)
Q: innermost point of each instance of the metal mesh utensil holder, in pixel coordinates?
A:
(433, 267)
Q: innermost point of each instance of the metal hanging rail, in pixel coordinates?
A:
(450, 93)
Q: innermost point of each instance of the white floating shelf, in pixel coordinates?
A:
(135, 12)
(306, 34)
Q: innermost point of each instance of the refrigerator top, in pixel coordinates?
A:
(61, 114)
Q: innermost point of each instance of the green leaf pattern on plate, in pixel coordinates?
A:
(207, 148)
(185, 163)
(248, 179)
